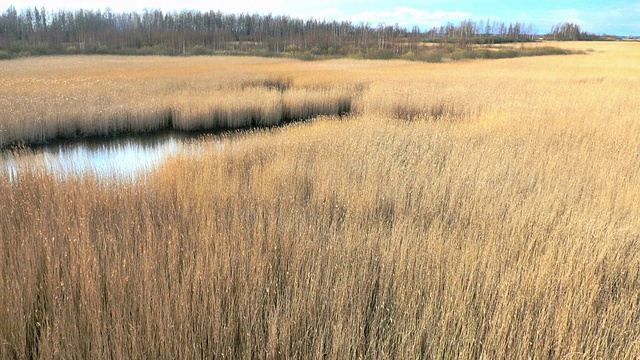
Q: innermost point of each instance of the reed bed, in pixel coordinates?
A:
(507, 228)
(103, 96)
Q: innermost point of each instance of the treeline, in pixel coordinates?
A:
(40, 32)
(569, 31)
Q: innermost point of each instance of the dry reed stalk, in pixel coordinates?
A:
(69, 99)
(510, 233)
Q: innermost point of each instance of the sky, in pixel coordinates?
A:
(615, 17)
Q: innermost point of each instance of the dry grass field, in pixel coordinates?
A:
(98, 96)
(480, 209)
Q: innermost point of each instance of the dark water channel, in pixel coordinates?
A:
(124, 157)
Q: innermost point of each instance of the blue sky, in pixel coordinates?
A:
(610, 17)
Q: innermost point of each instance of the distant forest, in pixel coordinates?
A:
(153, 32)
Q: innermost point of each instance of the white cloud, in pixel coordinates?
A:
(320, 14)
(612, 20)
(621, 21)
(244, 6)
(408, 17)
(566, 15)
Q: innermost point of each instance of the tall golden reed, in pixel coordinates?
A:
(49, 98)
(493, 215)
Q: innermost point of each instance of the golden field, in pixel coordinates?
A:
(99, 96)
(478, 209)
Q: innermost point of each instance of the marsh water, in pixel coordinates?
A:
(125, 157)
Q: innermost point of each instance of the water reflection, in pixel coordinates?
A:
(124, 157)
